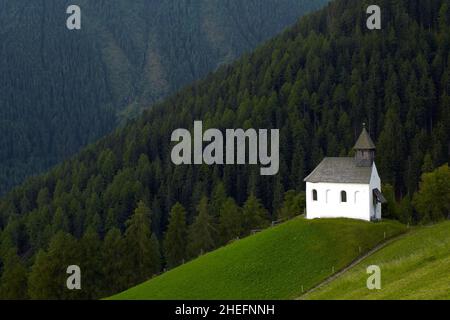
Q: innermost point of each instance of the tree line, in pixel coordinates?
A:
(118, 260)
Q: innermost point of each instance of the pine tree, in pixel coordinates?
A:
(444, 16)
(427, 164)
(294, 204)
(201, 232)
(392, 143)
(91, 264)
(230, 221)
(13, 280)
(43, 198)
(390, 208)
(48, 276)
(406, 209)
(175, 237)
(141, 249)
(155, 254)
(60, 221)
(113, 263)
(107, 164)
(40, 282)
(218, 197)
(255, 216)
(277, 194)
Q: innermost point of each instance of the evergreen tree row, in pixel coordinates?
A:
(119, 260)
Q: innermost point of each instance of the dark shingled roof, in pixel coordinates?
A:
(364, 141)
(340, 170)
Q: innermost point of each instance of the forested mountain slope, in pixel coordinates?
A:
(317, 82)
(61, 89)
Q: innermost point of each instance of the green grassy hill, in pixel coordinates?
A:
(273, 264)
(414, 267)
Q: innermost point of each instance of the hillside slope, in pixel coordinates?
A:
(273, 264)
(64, 89)
(414, 267)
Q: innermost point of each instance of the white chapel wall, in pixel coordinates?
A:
(329, 205)
(375, 183)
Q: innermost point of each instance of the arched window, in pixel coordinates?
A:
(314, 194)
(356, 196)
(343, 196)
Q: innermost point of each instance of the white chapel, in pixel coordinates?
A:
(346, 187)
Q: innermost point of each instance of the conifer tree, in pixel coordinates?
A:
(201, 232)
(255, 216)
(218, 197)
(294, 204)
(142, 250)
(175, 237)
(230, 221)
(13, 280)
(113, 263)
(48, 276)
(91, 264)
(392, 143)
(40, 282)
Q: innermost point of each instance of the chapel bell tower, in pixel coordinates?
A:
(365, 149)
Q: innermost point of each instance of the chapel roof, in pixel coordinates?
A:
(340, 170)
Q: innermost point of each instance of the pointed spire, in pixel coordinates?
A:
(364, 141)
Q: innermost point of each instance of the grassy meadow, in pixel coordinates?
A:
(415, 267)
(274, 264)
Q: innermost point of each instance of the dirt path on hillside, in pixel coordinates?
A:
(354, 263)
